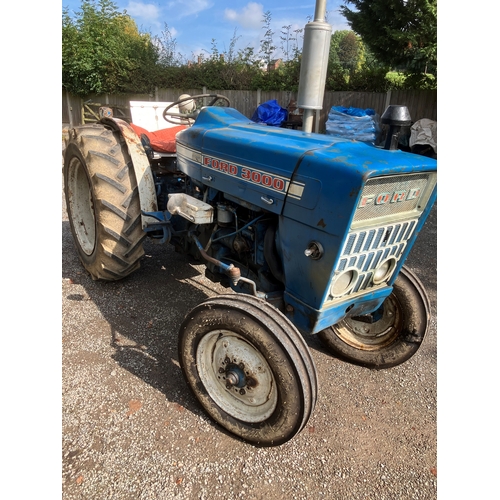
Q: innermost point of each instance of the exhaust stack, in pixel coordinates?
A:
(317, 35)
(396, 117)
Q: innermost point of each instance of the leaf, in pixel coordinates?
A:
(434, 471)
(79, 480)
(178, 480)
(134, 406)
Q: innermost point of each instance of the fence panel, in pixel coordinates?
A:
(420, 103)
(242, 100)
(71, 109)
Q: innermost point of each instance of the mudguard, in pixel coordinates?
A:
(142, 169)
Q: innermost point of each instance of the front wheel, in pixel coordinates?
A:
(390, 335)
(249, 368)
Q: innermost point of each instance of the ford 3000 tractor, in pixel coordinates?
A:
(309, 231)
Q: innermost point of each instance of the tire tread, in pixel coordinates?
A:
(119, 234)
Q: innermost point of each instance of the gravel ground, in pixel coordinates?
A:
(131, 430)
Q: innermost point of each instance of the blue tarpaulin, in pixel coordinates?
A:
(271, 113)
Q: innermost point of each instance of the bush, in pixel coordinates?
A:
(421, 81)
(395, 80)
(369, 80)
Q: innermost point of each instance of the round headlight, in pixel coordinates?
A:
(384, 270)
(344, 282)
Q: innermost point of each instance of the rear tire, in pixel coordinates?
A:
(103, 202)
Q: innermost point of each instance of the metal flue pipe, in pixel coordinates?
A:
(320, 10)
(317, 35)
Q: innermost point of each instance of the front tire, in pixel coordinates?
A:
(249, 368)
(388, 337)
(103, 202)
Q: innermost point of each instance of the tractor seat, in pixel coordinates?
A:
(161, 141)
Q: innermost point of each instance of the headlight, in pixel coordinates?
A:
(344, 282)
(384, 271)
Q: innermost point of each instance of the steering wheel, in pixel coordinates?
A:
(193, 111)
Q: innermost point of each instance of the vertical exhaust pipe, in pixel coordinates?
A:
(317, 35)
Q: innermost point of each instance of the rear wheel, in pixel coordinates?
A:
(103, 202)
(249, 368)
(389, 336)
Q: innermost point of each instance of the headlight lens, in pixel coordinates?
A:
(344, 282)
(384, 271)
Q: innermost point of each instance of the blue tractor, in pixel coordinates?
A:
(310, 231)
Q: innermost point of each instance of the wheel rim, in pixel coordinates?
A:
(81, 206)
(376, 335)
(236, 376)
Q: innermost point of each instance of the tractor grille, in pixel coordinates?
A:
(386, 217)
(364, 250)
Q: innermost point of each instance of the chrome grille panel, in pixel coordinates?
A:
(392, 195)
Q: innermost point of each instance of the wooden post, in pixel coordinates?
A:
(387, 100)
(70, 109)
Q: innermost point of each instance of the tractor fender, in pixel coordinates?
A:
(142, 169)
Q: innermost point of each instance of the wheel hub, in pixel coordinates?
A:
(372, 335)
(237, 376)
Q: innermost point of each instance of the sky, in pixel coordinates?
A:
(193, 24)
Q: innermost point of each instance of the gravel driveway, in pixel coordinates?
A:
(131, 430)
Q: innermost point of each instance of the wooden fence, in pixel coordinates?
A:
(420, 103)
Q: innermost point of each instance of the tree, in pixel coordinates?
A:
(346, 50)
(103, 51)
(267, 46)
(167, 49)
(400, 33)
(346, 57)
(288, 42)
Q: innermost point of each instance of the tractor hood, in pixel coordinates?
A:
(318, 185)
(316, 176)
